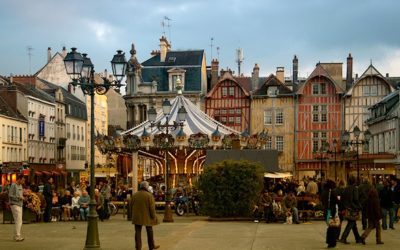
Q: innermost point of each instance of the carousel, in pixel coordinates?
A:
(170, 147)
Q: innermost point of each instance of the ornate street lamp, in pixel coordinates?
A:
(81, 71)
(166, 141)
(321, 151)
(356, 142)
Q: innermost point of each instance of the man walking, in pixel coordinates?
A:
(16, 199)
(144, 214)
(363, 190)
(48, 196)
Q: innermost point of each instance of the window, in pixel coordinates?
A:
(216, 112)
(272, 91)
(374, 90)
(279, 143)
(323, 113)
(323, 89)
(315, 89)
(73, 132)
(315, 113)
(238, 111)
(279, 116)
(269, 143)
(224, 91)
(267, 117)
(231, 91)
(366, 90)
(238, 120)
(315, 141)
(223, 111)
(231, 119)
(223, 119)
(232, 111)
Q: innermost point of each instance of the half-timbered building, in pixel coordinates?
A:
(272, 110)
(318, 119)
(229, 103)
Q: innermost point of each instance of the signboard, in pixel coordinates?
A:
(41, 127)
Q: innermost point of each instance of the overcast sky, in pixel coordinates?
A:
(270, 32)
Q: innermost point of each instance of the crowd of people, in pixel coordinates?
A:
(376, 205)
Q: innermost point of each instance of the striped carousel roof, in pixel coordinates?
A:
(196, 121)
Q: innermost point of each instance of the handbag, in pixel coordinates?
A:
(332, 221)
(351, 214)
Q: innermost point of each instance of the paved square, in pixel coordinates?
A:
(188, 232)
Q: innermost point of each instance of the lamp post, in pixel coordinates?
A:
(152, 115)
(81, 70)
(323, 149)
(356, 142)
(334, 144)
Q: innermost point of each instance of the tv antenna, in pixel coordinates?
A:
(29, 50)
(218, 48)
(211, 46)
(167, 19)
(239, 58)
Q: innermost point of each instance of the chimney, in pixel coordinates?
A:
(164, 48)
(349, 74)
(295, 70)
(48, 54)
(387, 75)
(280, 74)
(64, 51)
(255, 77)
(11, 78)
(214, 72)
(356, 76)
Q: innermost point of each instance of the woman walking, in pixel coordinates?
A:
(374, 214)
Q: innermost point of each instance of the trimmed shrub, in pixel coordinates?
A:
(230, 188)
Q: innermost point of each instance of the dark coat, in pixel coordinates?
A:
(386, 197)
(143, 209)
(363, 190)
(329, 204)
(351, 198)
(374, 212)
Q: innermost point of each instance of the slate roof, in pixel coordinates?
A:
(34, 92)
(228, 76)
(190, 61)
(245, 82)
(77, 107)
(6, 110)
(390, 102)
(273, 81)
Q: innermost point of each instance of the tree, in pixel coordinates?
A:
(230, 188)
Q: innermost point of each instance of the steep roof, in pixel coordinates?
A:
(177, 58)
(6, 110)
(30, 90)
(371, 71)
(272, 80)
(77, 107)
(317, 72)
(390, 102)
(228, 76)
(244, 81)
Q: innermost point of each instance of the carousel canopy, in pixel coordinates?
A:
(196, 121)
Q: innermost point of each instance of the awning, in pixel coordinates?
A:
(38, 173)
(104, 174)
(55, 173)
(46, 173)
(277, 175)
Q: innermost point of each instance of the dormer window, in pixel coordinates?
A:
(171, 59)
(273, 91)
(174, 75)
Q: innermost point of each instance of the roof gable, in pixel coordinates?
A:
(227, 76)
(272, 80)
(6, 110)
(318, 72)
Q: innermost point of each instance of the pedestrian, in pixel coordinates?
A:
(395, 186)
(374, 214)
(16, 200)
(386, 201)
(290, 207)
(330, 202)
(48, 196)
(352, 205)
(364, 189)
(105, 190)
(312, 187)
(144, 214)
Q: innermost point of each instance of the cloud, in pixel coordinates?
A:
(103, 31)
